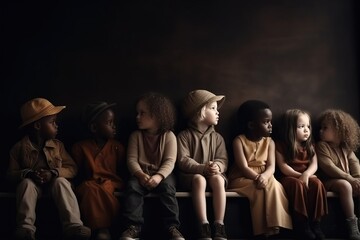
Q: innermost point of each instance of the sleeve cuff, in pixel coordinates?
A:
(54, 173)
(25, 172)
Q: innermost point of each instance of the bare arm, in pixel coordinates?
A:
(270, 163)
(241, 161)
(284, 167)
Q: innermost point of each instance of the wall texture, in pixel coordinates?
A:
(291, 54)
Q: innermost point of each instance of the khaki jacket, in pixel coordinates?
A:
(23, 158)
(196, 149)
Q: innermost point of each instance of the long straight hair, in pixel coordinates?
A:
(290, 131)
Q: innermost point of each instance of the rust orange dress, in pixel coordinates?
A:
(310, 202)
(99, 176)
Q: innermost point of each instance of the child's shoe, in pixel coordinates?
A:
(219, 232)
(302, 229)
(79, 232)
(352, 224)
(272, 231)
(103, 234)
(24, 234)
(174, 234)
(315, 226)
(205, 232)
(131, 233)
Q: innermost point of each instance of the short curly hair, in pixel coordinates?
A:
(345, 125)
(162, 108)
(248, 112)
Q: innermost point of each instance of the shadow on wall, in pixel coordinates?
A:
(287, 53)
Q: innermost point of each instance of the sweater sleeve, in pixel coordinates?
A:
(15, 172)
(354, 165)
(169, 151)
(133, 153)
(328, 163)
(184, 161)
(221, 157)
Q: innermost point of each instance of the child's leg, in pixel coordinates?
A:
(133, 209)
(27, 194)
(134, 202)
(217, 184)
(317, 199)
(199, 202)
(198, 196)
(344, 190)
(66, 202)
(170, 209)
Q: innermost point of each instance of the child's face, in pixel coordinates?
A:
(105, 124)
(211, 114)
(303, 130)
(328, 132)
(262, 125)
(144, 119)
(47, 127)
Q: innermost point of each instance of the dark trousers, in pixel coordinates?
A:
(134, 202)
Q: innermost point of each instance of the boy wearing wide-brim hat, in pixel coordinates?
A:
(101, 164)
(202, 160)
(39, 164)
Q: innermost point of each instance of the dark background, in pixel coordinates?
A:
(291, 54)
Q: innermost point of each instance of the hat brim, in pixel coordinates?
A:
(98, 111)
(46, 112)
(217, 98)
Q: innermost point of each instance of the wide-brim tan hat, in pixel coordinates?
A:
(36, 109)
(196, 99)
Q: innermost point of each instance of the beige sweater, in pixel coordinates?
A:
(330, 164)
(137, 160)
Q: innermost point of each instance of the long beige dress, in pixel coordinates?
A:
(268, 206)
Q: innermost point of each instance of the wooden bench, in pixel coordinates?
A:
(178, 194)
(237, 217)
(229, 194)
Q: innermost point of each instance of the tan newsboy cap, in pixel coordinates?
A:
(196, 99)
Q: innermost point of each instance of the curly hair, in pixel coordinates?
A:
(161, 108)
(345, 125)
(289, 133)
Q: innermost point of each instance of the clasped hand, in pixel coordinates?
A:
(356, 186)
(211, 169)
(40, 176)
(261, 182)
(150, 182)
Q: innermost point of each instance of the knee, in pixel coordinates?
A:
(166, 187)
(26, 183)
(345, 188)
(61, 182)
(217, 181)
(316, 183)
(298, 184)
(133, 186)
(198, 181)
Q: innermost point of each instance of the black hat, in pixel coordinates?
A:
(93, 110)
